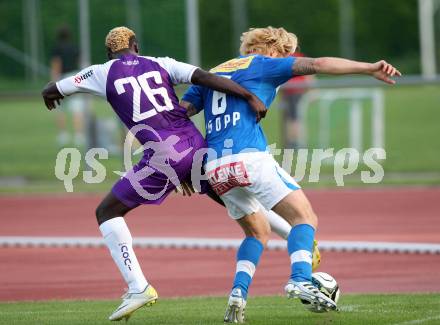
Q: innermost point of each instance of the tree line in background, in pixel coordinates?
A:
(382, 29)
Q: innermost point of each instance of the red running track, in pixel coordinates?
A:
(81, 273)
(408, 215)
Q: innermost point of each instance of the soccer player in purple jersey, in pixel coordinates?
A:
(140, 90)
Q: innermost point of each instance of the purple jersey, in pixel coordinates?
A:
(140, 90)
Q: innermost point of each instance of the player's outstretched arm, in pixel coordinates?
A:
(51, 95)
(227, 86)
(380, 70)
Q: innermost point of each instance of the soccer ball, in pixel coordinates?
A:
(327, 285)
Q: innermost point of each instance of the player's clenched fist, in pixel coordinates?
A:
(51, 96)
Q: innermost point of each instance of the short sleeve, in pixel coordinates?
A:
(90, 80)
(278, 70)
(180, 73)
(194, 95)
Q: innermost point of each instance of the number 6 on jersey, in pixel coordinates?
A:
(219, 101)
(141, 83)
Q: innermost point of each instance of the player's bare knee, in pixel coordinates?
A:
(263, 235)
(313, 220)
(263, 238)
(307, 215)
(104, 212)
(100, 213)
(311, 216)
(111, 207)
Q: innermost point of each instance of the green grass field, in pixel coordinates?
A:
(28, 144)
(412, 119)
(355, 309)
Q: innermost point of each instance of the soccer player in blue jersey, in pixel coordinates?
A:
(246, 176)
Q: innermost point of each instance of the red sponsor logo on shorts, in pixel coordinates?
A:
(228, 176)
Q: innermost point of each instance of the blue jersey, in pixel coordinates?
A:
(231, 118)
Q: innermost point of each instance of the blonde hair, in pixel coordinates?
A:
(263, 40)
(119, 39)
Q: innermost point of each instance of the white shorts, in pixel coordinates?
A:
(247, 181)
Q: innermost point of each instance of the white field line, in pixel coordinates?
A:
(419, 321)
(219, 243)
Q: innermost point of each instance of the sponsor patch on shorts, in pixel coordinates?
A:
(228, 176)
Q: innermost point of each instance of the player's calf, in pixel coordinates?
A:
(296, 209)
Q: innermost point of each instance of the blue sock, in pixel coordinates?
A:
(300, 246)
(248, 256)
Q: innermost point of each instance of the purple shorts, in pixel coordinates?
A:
(154, 182)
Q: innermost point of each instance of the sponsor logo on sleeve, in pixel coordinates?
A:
(79, 78)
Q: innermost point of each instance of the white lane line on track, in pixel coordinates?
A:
(419, 321)
(219, 243)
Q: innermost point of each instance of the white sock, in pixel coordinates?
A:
(118, 239)
(278, 224)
